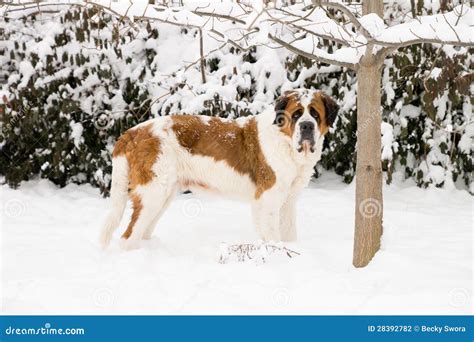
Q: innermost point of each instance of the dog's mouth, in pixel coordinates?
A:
(306, 145)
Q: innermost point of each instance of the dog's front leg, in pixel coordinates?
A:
(266, 217)
(288, 219)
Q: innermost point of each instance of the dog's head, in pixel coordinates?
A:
(305, 116)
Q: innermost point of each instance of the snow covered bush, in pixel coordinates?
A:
(74, 86)
(78, 80)
(429, 129)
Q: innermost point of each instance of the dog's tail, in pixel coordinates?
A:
(118, 196)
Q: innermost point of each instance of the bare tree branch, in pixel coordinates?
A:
(298, 27)
(222, 16)
(295, 26)
(312, 56)
(207, 14)
(422, 41)
(335, 5)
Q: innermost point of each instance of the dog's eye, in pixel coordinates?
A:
(314, 113)
(297, 115)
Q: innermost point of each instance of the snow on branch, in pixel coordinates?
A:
(344, 9)
(298, 28)
(452, 28)
(314, 21)
(319, 54)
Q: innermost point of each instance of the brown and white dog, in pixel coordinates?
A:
(265, 160)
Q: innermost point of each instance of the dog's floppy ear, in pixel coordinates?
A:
(280, 106)
(331, 108)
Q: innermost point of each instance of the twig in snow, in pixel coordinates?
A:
(258, 252)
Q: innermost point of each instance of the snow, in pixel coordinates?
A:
(52, 263)
(451, 26)
(435, 73)
(26, 70)
(435, 173)
(51, 260)
(76, 133)
(373, 24)
(410, 111)
(441, 104)
(466, 143)
(387, 141)
(43, 48)
(343, 55)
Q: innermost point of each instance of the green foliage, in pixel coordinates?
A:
(437, 138)
(59, 125)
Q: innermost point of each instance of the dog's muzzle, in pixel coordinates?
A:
(306, 142)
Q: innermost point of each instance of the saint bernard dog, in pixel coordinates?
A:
(265, 160)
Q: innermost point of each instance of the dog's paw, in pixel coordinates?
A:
(104, 240)
(147, 236)
(128, 244)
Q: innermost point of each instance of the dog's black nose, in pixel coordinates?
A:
(307, 127)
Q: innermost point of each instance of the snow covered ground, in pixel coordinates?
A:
(51, 262)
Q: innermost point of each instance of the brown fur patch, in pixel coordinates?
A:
(286, 107)
(225, 140)
(137, 208)
(317, 103)
(141, 148)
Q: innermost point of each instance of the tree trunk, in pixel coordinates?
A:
(413, 8)
(372, 6)
(369, 205)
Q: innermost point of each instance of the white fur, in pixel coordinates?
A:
(118, 196)
(274, 212)
(293, 171)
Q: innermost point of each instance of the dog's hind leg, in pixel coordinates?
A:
(149, 231)
(148, 202)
